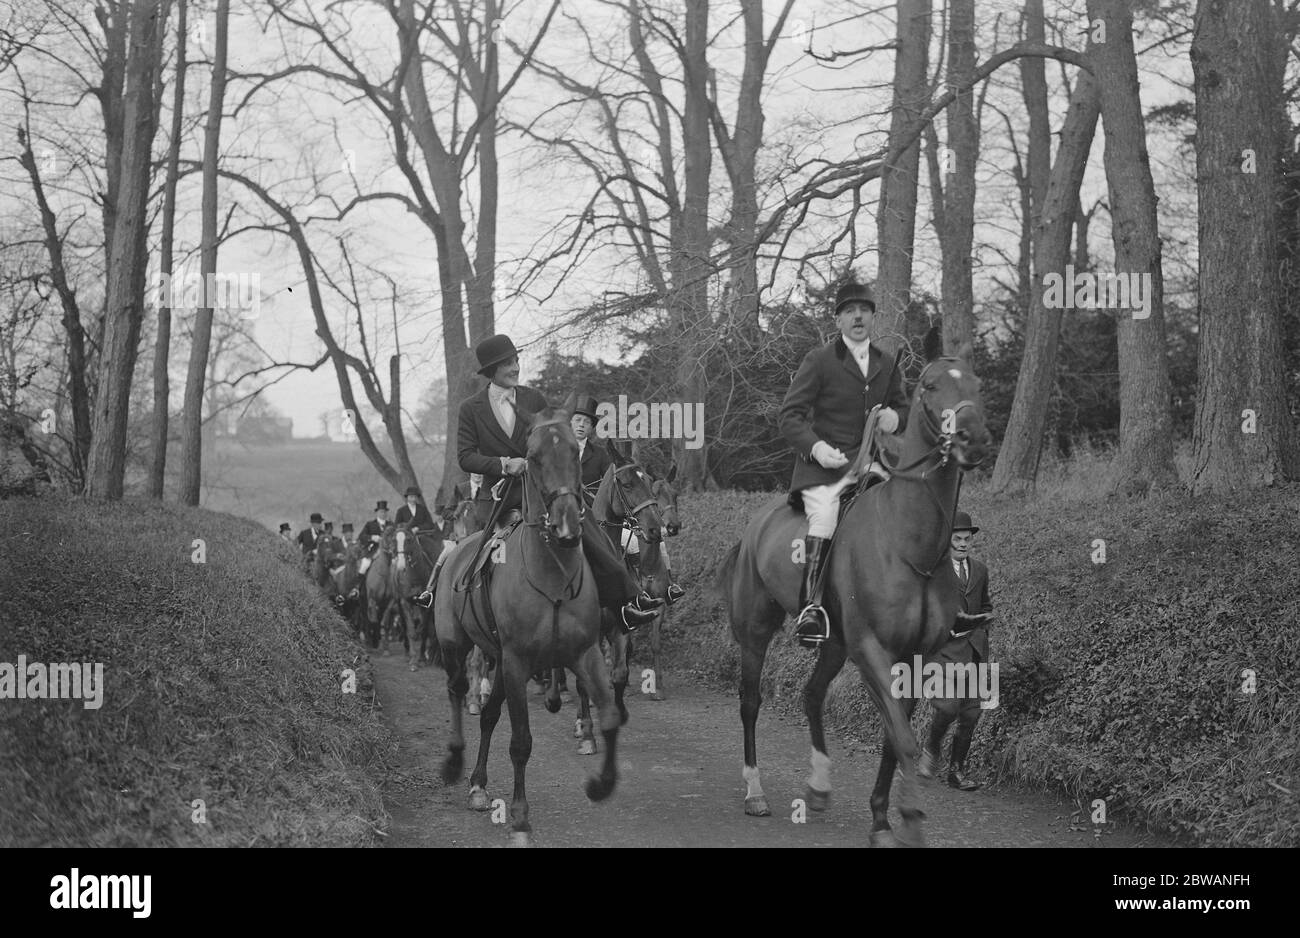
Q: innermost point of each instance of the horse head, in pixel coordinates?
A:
(947, 408)
(631, 499)
(665, 494)
(556, 475)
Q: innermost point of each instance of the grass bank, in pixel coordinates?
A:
(221, 685)
(1165, 681)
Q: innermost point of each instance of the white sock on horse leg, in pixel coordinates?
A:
(753, 787)
(820, 778)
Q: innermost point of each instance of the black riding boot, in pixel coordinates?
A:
(957, 765)
(814, 626)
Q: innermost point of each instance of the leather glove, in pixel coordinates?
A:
(887, 420)
(828, 456)
(515, 466)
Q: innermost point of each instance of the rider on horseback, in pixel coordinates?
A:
(492, 440)
(371, 532)
(595, 463)
(823, 417)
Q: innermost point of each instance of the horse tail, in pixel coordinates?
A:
(726, 570)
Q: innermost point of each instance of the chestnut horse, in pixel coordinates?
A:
(889, 591)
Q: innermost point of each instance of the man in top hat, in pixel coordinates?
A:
(595, 462)
(308, 536)
(823, 417)
(347, 532)
(492, 440)
(371, 532)
(968, 643)
(286, 533)
(415, 513)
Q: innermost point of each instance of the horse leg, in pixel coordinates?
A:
(873, 662)
(620, 645)
(583, 725)
(830, 659)
(752, 654)
(881, 833)
(656, 638)
(514, 677)
(453, 658)
(590, 670)
(475, 679)
(487, 723)
(414, 636)
(553, 690)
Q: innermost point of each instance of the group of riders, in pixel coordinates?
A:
(822, 418)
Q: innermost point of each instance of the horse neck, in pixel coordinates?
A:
(920, 502)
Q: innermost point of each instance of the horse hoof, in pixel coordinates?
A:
(817, 800)
(598, 789)
(473, 709)
(453, 767)
(757, 807)
(521, 839)
(883, 838)
(478, 799)
(622, 717)
(587, 747)
(552, 705)
(413, 667)
(910, 835)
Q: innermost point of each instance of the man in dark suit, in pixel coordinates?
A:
(415, 513)
(307, 537)
(592, 453)
(492, 440)
(823, 417)
(371, 532)
(968, 644)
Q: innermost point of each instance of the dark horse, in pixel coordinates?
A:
(889, 591)
(623, 502)
(413, 557)
(654, 574)
(542, 599)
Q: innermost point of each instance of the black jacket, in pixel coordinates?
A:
(973, 646)
(829, 399)
(595, 461)
(422, 520)
(481, 441)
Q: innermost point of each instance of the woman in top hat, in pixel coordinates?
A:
(414, 512)
(492, 440)
(822, 417)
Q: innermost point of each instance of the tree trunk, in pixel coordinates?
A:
(896, 219)
(958, 238)
(192, 415)
(162, 344)
(1243, 434)
(1017, 465)
(126, 269)
(689, 302)
(1146, 450)
(1033, 87)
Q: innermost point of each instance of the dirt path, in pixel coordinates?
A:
(679, 783)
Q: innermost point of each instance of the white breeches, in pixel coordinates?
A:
(633, 546)
(821, 503)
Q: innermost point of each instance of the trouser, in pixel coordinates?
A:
(821, 503)
(614, 584)
(965, 711)
(632, 545)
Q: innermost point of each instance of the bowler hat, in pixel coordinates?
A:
(381, 505)
(586, 405)
(347, 527)
(493, 351)
(853, 293)
(315, 517)
(413, 490)
(961, 522)
(284, 526)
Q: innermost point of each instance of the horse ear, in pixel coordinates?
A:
(933, 345)
(672, 474)
(614, 454)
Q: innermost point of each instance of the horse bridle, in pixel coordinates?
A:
(628, 519)
(548, 498)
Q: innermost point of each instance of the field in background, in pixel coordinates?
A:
(271, 484)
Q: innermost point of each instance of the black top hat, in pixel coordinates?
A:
(586, 405)
(316, 518)
(381, 505)
(961, 522)
(285, 526)
(853, 293)
(329, 525)
(347, 527)
(413, 490)
(493, 351)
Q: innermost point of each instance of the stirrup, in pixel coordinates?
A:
(421, 600)
(675, 593)
(633, 618)
(813, 616)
